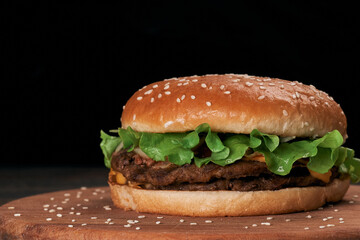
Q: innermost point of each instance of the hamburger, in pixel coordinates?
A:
(229, 145)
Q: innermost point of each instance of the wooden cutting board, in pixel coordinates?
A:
(88, 213)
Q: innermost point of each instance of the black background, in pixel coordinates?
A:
(69, 68)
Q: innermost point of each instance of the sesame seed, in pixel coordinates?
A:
(179, 84)
(266, 223)
(208, 221)
(78, 213)
(167, 93)
(292, 83)
(193, 223)
(297, 94)
(152, 99)
(271, 84)
(261, 97)
(139, 98)
(52, 199)
(306, 124)
(11, 208)
(70, 226)
(159, 217)
(208, 104)
(160, 95)
(155, 86)
(127, 225)
(330, 225)
(192, 97)
(321, 226)
(306, 228)
(222, 87)
(185, 83)
(194, 80)
(137, 228)
(227, 92)
(157, 222)
(93, 218)
(246, 227)
(142, 216)
(148, 92)
(249, 84)
(282, 86)
(71, 213)
(236, 80)
(166, 87)
(84, 224)
(294, 96)
(325, 219)
(351, 202)
(182, 220)
(67, 194)
(355, 196)
(254, 225)
(269, 218)
(73, 220)
(46, 205)
(336, 210)
(51, 210)
(287, 220)
(308, 216)
(341, 222)
(183, 97)
(311, 98)
(59, 208)
(17, 215)
(48, 219)
(203, 85)
(285, 113)
(178, 100)
(134, 117)
(59, 215)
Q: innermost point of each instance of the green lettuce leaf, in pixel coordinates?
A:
(108, 146)
(178, 148)
(349, 164)
(130, 138)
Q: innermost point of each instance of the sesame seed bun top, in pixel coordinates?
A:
(235, 104)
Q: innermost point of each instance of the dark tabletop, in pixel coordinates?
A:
(18, 182)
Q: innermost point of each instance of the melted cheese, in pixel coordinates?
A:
(120, 179)
(325, 177)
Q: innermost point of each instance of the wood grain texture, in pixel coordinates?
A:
(88, 213)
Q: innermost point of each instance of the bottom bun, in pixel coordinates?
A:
(227, 203)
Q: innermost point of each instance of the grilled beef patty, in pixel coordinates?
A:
(239, 176)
